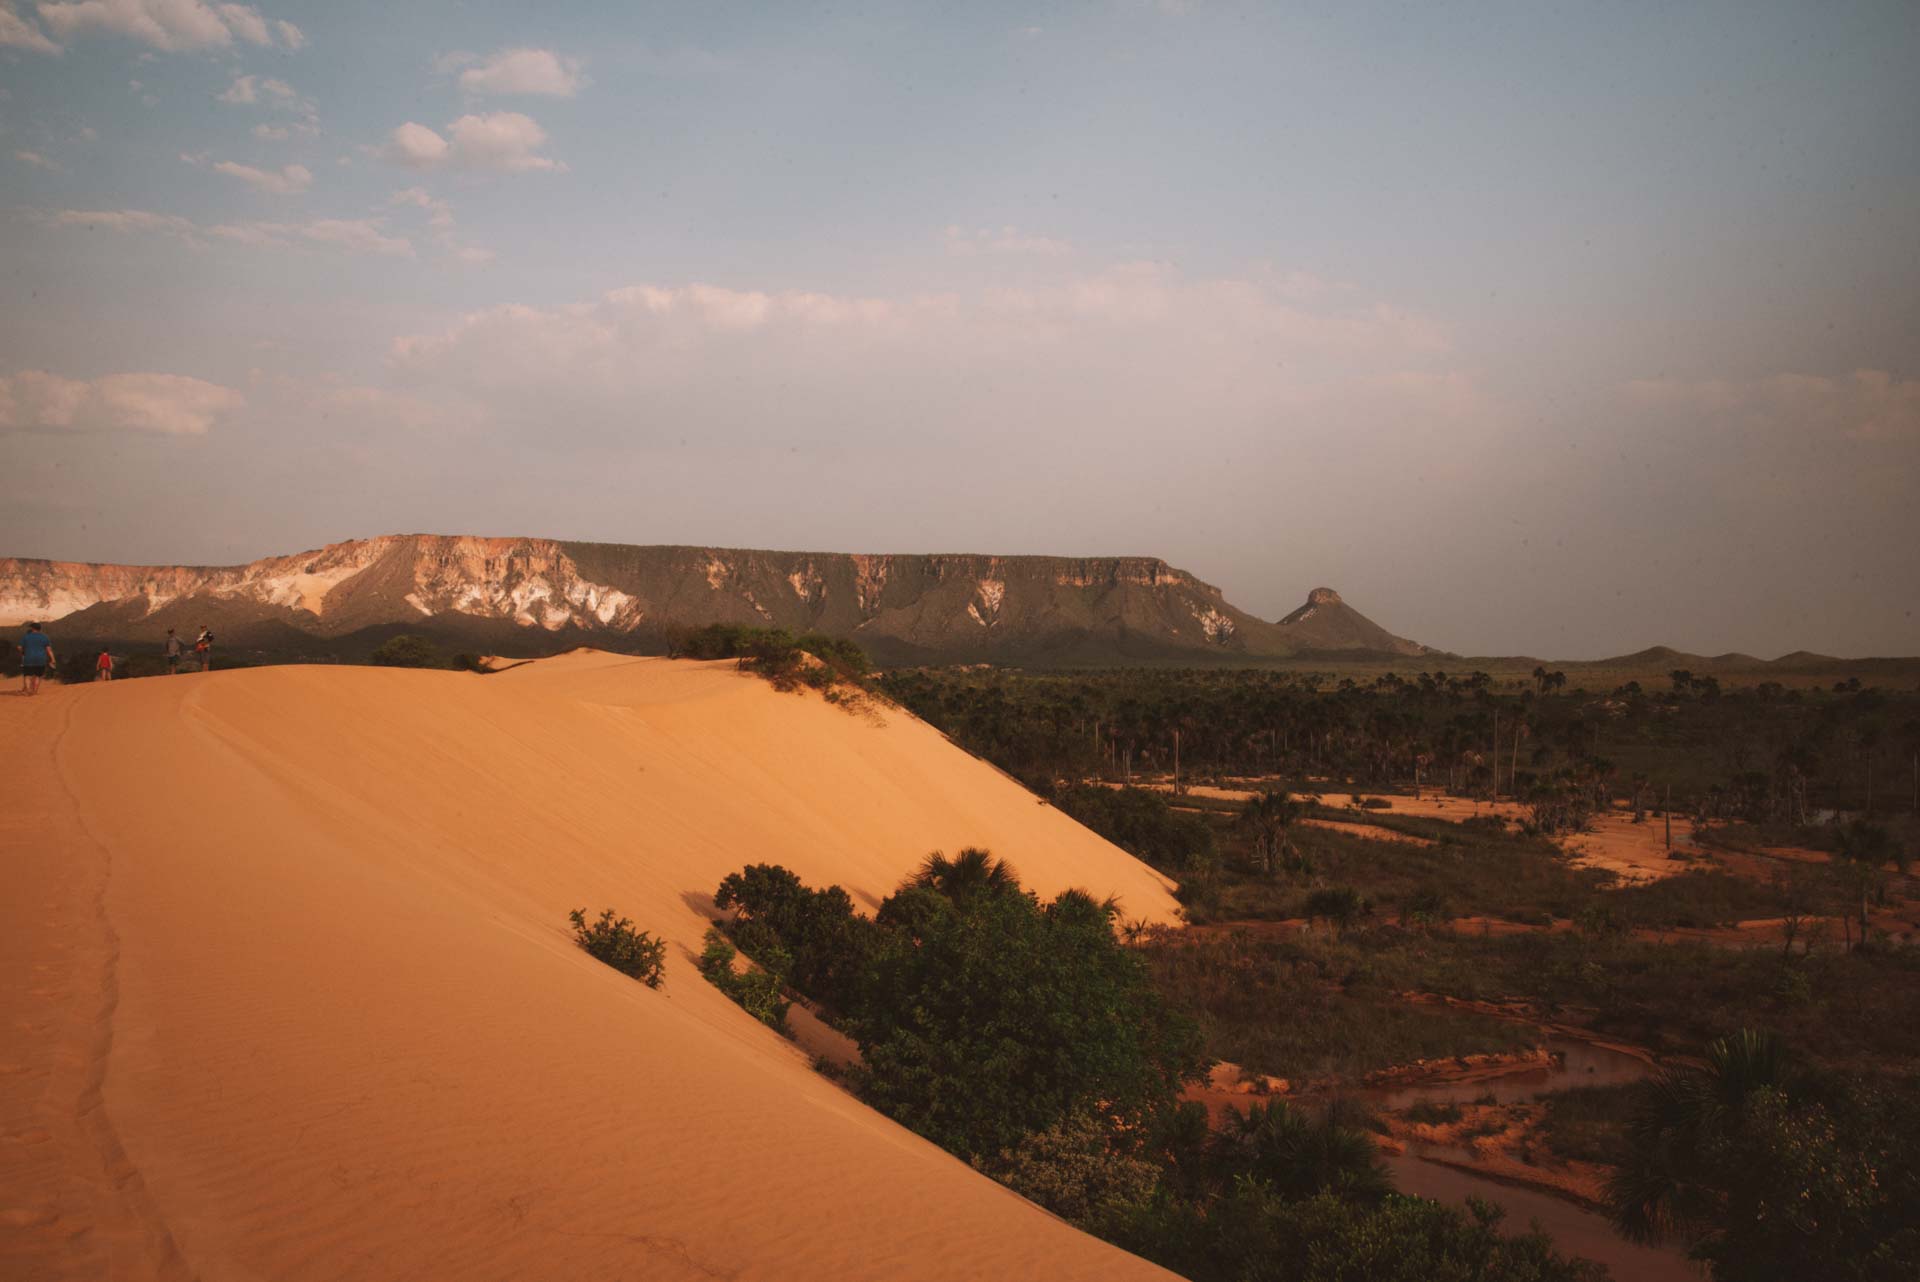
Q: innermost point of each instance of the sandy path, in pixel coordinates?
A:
(345, 1033)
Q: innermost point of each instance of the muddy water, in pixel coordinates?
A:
(1580, 1064)
(1573, 1229)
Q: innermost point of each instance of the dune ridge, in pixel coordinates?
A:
(301, 1000)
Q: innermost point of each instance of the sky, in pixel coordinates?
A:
(1532, 328)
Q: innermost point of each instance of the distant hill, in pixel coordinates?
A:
(1326, 622)
(544, 595)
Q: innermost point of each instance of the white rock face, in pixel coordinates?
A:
(529, 581)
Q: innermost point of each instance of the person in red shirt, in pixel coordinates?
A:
(103, 669)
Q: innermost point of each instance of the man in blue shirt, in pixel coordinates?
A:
(36, 656)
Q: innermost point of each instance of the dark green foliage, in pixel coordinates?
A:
(1268, 821)
(1299, 1154)
(983, 1016)
(759, 991)
(1252, 1234)
(1427, 1113)
(1338, 906)
(1588, 1122)
(1142, 824)
(1770, 1173)
(615, 942)
(408, 651)
(1071, 1168)
(1759, 754)
(970, 873)
(990, 1018)
(825, 941)
(778, 655)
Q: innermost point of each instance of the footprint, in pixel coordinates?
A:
(32, 1135)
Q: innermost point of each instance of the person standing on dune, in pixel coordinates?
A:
(103, 667)
(175, 648)
(203, 649)
(36, 656)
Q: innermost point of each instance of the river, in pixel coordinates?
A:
(1573, 1228)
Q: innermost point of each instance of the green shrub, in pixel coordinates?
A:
(1339, 906)
(1428, 1113)
(615, 942)
(826, 941)
(1073, 1169)
(1250, 1233)
(983, 1016)
(408, 650)
(761, 991)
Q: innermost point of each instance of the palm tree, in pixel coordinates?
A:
(973, 871)
(1864, 849)
(1267, 819)
(1665, 1186)
(1301, 1155)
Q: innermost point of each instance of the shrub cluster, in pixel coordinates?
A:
(760, 990)
(408, 650)
(1021, 1035)
(982, 1013)
(615, 942)
(779, 655)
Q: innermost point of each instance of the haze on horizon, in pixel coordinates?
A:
(1532, 330)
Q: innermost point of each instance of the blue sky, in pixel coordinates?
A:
(1551, 329)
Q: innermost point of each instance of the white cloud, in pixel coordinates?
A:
(290, 36)
(35, 159)
(288, 180)
(352, 235)
(520, 71)
(246, 23)
(502, 140)
(439, 213)
(270, 133)
(169, 25)
(275, 95)
(1003, 240)
(355, 236)
(415, 146)
(168, 403)
(440, 222)
(1866, 405)
(19, 33)
(1140, 350)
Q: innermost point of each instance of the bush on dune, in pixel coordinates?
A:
(408, 651)
(615, 942)
(760, 991)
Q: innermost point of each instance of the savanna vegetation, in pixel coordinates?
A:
(1761, 754)
(1026, 1037)
(1320, 953)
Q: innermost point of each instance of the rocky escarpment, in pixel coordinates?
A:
(546, 593)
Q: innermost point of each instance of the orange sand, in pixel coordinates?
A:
(292, 993)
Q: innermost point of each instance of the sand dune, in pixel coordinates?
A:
(300, 1001)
